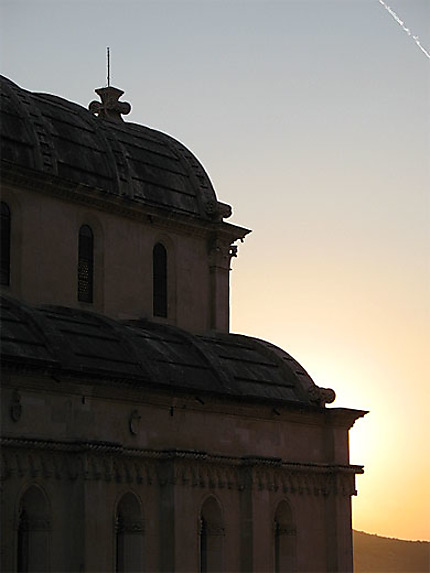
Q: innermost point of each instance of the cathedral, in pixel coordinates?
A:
(139, 434)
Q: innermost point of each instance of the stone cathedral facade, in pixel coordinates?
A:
(137, 432)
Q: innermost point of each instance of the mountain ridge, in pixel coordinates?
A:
(378, 554)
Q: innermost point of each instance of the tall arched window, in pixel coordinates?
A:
(285, 539)
(159, 280)
(5, 244)
(211, 537)
(85, 264)
(33, 532)
(129, 535)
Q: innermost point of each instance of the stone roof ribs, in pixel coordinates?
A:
(77, 343)
(45, 133)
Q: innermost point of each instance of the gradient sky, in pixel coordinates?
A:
(312, 118)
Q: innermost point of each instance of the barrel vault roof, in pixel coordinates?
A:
(59, 139)
(144, 354)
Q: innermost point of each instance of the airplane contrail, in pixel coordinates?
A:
(402, 24)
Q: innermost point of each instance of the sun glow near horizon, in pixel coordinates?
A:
(360, 333)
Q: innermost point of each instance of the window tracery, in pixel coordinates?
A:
(86, 264)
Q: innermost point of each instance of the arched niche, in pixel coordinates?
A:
(284, 538)
(212, 531)
(129, 530)
(34, 526)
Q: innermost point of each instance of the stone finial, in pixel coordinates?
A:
(321, 396)
(109, 108)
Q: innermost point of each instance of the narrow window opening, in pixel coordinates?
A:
(211, 537)
(85, 264)
(5, 244)
(159, 275)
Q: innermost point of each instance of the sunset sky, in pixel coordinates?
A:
(312, 119)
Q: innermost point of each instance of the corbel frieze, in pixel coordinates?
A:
(206, 474)
(187, 469)
(36, 464)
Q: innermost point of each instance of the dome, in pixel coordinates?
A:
(59, 139)
(66, 342)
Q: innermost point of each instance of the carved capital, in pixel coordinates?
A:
(220, 253)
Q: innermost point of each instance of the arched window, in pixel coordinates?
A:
(285, 539)
(85, 264)
(159, 280)
(129, 534)
(33, 532)
(211, 537)
(5, 244)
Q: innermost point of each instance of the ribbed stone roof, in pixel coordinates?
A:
(57, 138)
(144, 354)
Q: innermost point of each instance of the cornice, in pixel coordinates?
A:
(272, 410)
(343, 417)
(122, 205)
(111, 462)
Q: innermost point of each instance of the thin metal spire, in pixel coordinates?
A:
(109, 108)
(108, 66)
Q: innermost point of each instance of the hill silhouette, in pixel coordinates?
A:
(375, 554)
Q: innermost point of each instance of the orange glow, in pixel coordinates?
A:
(370, 347)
